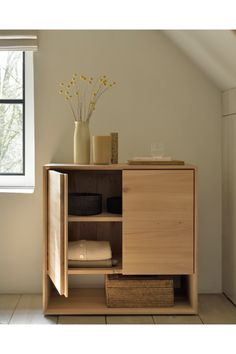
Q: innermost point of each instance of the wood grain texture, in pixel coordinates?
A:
(192, 291)
(168, 208)
(7, 306)
(57, 230)
(158, 222)
(92, 301)
(177, 319)
(193, 279)
(29, 311)
(103, 217)
(121, 166)
(46, 287)
(65, 233)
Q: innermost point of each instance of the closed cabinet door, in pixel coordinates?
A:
(57, 234)
(158, 221)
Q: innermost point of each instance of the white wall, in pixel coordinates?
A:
(160, 94)
(213, 51)
(229, 206)
(229, 194)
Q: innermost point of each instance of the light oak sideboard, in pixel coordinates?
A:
(155, 234)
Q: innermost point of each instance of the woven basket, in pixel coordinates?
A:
(139, 291)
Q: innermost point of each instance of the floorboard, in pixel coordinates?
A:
(177, 319)
(81, 320)
(129, 320)
(29, 311)
(216, 309)
(7, 306)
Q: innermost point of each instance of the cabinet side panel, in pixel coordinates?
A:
(45, 255)
(65, 233)
(56, 242)
(158, 222)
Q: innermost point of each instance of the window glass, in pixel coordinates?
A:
(11, 138)
(11, 112)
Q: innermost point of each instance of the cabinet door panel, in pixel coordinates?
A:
(57, 230)
(158, 222)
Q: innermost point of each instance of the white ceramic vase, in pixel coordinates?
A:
(82, 143)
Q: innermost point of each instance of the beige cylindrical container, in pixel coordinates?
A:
(82, 143)
(101, 147)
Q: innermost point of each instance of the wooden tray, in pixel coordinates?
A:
(155, 162)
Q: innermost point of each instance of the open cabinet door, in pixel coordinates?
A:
(58, 230)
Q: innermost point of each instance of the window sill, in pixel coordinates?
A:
(26, 190)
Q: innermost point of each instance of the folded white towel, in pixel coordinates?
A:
(86, 250)
(106, 263)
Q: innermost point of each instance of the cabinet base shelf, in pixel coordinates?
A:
(77, 271)
(93, 302)
(103, 217)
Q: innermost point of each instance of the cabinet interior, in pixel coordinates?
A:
(99, 231)
(89, 297)
(108, 183)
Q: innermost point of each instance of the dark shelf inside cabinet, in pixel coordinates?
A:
(105, 182)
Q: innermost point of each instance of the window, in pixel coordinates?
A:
(12, 113)
(17, 111)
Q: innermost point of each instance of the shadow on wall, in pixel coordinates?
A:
(63, 148)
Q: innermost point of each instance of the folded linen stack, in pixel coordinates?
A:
(89, 254)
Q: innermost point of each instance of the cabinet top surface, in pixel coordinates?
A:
(121, 166)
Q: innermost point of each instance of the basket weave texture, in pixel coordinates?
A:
(139, 291)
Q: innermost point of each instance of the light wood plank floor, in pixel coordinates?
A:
(27, 309)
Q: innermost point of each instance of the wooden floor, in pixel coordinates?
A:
(27, 309)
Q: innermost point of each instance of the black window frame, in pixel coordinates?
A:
(19, 101)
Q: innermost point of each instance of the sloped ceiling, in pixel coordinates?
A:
(214, 51)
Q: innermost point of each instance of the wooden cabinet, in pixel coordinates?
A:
(156, 233)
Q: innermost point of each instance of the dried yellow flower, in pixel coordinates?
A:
(71, 92)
